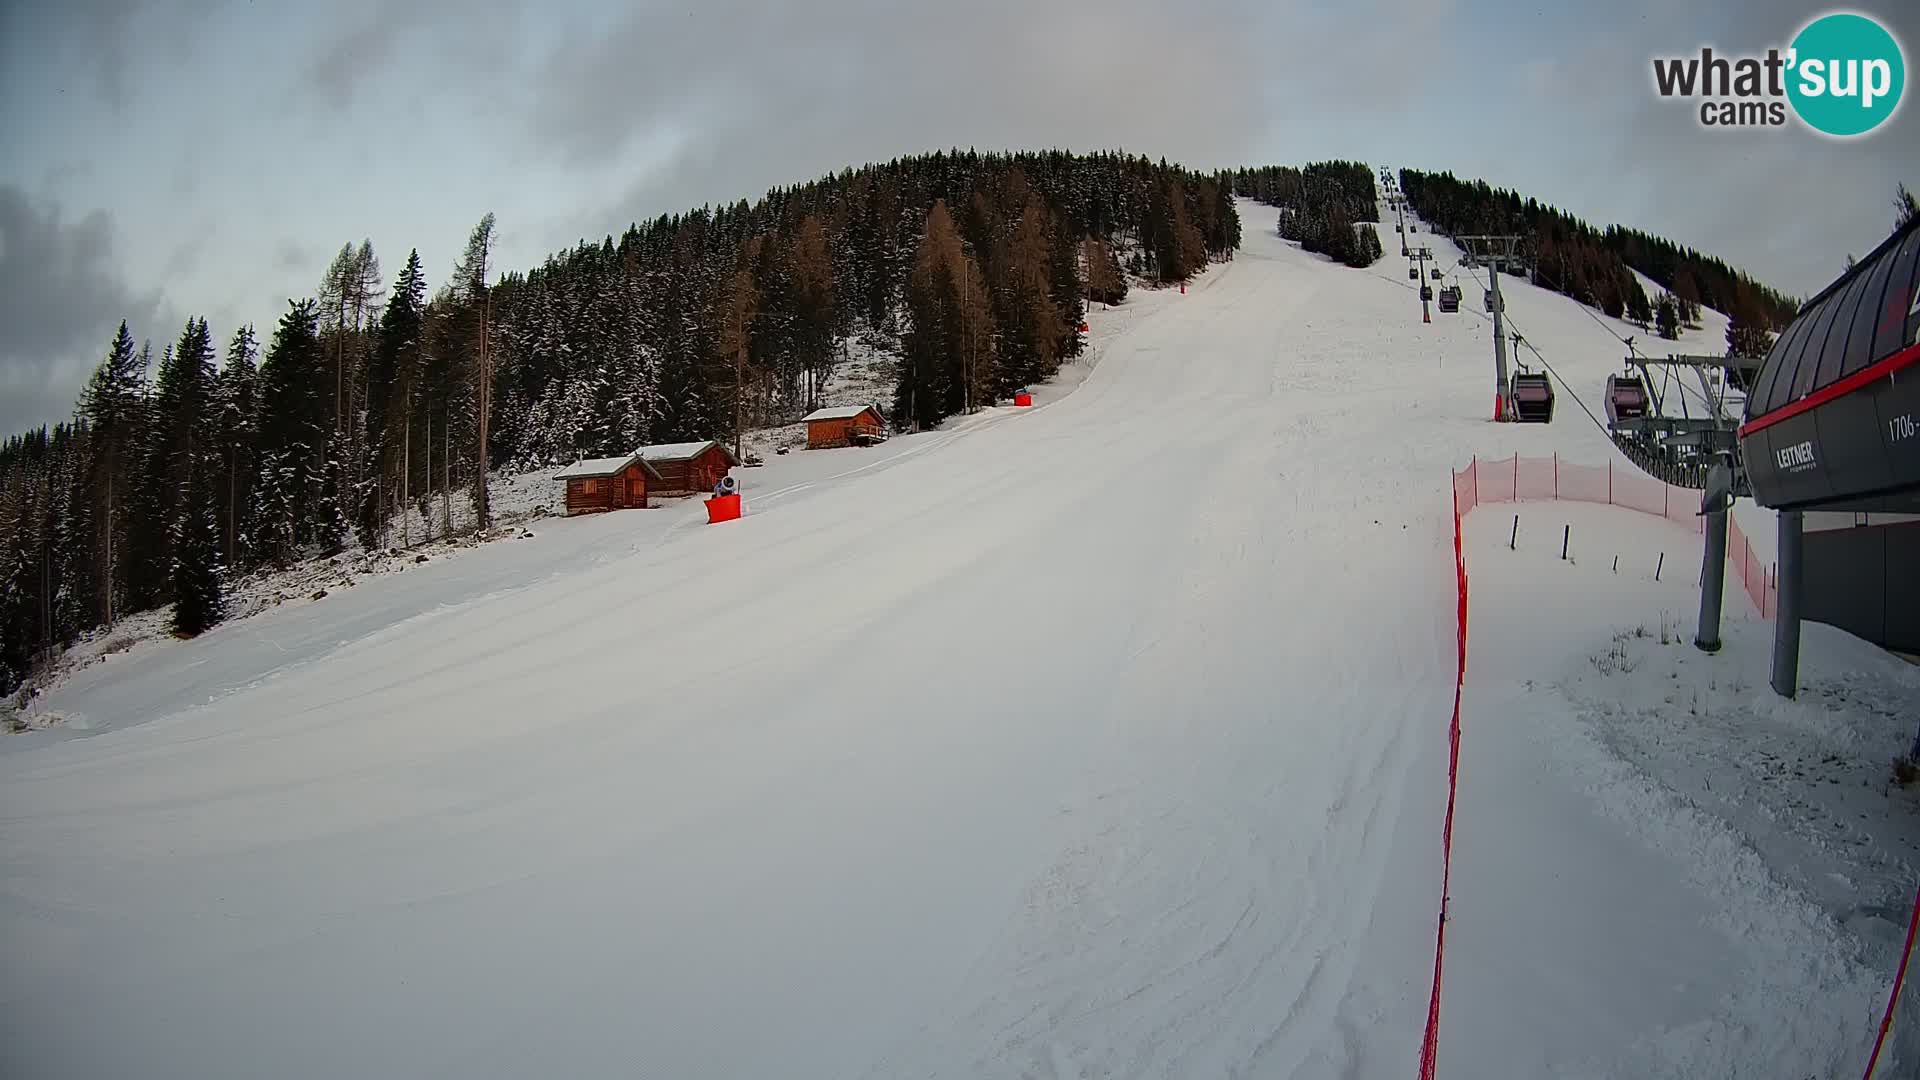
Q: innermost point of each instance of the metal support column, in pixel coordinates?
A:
(1713, 567)
(1499, 341)
(1786, 621)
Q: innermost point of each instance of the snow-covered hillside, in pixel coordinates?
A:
(1102, 738)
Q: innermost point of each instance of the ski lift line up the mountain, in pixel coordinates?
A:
(1633, 350)
(1680, 450)
(1419, 273)
(1494, 251)
(1521, 340)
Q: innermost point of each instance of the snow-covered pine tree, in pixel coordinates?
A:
(113, 406)
(295, 381)
(199, 575)
(392, 370)
(237, 392)
(1639, 309)
(183, 429)
(1067, 288)
(1666, 316)
(471, 297)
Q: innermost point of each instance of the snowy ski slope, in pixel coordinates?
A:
(1103, 738)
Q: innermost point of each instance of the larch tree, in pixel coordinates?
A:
(739, 304)
(949, 355)
(1031, 326)
(816, 305)
(1106, 282)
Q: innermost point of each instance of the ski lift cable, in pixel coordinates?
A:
(1564, 385)
(1633, 349)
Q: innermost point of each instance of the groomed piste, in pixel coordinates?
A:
(1106, 737)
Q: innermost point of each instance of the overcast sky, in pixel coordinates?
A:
(177, 157)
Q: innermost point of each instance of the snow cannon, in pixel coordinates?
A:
(724, 504)
(1022, 398)
(1532, 398)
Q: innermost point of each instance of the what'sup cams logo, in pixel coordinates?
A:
(1843, 75)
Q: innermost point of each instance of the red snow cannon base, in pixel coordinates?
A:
(1022, 400)
(722, 508)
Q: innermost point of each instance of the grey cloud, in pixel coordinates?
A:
(338, 70)
(293, 255)
(101, 39)
(1786, 204)
(465, 44)
(60, 297)
(186, 255)
(795, 91)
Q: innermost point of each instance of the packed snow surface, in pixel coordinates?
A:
(1102, 738)
(605, 466)
(679, 451)
(837, 412)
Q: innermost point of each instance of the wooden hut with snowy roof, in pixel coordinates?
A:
(844, 425)
(688, 468)
(612, 483)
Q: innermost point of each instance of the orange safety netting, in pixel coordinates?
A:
(1518, 479)
(1524, 479)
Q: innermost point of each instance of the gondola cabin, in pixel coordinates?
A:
(615, 483)
(1626, 398)
(1450, 299)
(846, 425)
(688, 468)
(1532, 398)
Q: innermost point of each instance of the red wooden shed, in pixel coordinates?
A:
(844, 425)
(614, 483)
(688, 468)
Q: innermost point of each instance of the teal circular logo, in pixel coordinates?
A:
(1846, 74)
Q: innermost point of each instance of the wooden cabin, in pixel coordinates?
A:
(615, 483)
(845, 425)
(689, 468)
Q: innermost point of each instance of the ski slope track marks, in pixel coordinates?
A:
(1105, 738)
